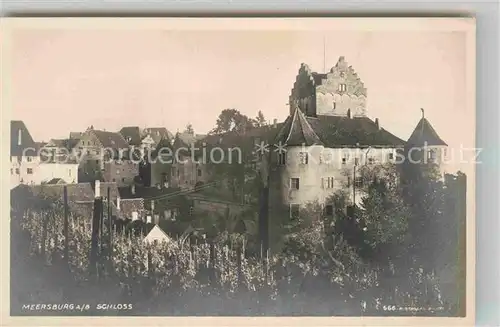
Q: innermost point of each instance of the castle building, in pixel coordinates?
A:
(327, 138)
(329, 94)
(425, 146)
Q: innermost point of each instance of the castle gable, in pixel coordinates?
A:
(332, 93)
(303, 91)
(340, 90)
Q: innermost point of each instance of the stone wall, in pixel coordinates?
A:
(324, 174)
(121, 172)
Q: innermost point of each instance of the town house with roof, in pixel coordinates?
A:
(106, 156)
(31, 165)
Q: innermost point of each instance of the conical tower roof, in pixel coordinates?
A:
(297, 131)
(425, 134)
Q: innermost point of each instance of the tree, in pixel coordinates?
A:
(384, 220)
(260, 120)
(189, 129)
(231, 120)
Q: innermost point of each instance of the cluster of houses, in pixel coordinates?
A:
(325, 137)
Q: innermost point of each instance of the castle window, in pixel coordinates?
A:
(358, 182)
(342, 87)
(281, 158)
(431, 155)
(303, 158)
(294, 211)
(334, 105)
(29, 159)
(344, 160)
(12, 171)
(342, 74)
(17, 171)
(294, 183)
(391, 156)
(349, 181)
(329, 210)
(371, 161)
(328, 182)
(199, 172)
(29, 171)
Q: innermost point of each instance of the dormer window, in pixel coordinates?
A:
(19, 137)
(281, 158)
(342, 74)
(342, 87)
(303, 158)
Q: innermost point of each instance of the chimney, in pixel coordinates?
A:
(97, 188)
(148, 219)
(349, 113)
(19, 137)
(118, 203)
(275, 123)
(132, 189)
(135, 216)
(377, 123)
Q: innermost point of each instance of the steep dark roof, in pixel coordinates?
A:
(75, 135)
(164, 144)
(132, 134)
(265, 133)
(331, 131)
(67, 144)
(297, 131)
(186, 139)
(339, 131)
(111, 140)
(157, 133)
(56, 181)
(424, 133)
(27, 142)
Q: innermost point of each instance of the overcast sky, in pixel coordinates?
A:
(67, 80)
